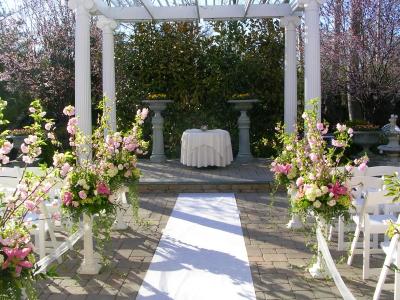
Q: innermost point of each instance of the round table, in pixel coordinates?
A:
(206, 148)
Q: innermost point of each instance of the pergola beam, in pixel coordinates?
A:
(247, 6)
(148, 6)
(194, 12)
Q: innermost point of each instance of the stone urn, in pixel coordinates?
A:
(244, 154)
(158, 106)
(366, 139)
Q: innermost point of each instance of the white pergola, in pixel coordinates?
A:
(131, 11)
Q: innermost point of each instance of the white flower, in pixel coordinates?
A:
(324, 189)
(331, 195)
(332, 202)
(317, 204)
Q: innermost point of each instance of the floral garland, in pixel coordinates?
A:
(310, 168)
(16, 250)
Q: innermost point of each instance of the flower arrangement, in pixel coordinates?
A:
(20, 131)
(92, 185)
(311, 168)
(16, 250)
(156, 96)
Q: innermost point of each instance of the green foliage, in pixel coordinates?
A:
(200, 68)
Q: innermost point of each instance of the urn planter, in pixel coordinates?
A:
(158, 106)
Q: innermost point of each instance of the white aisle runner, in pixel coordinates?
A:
(201, 254)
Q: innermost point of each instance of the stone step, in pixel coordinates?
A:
(246, 187)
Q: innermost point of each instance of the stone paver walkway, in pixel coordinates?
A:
(278, 257)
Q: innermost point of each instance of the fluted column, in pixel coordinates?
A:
(108, 26)
(82, 8)
(290, 108)
(312, 56)
(83, 104)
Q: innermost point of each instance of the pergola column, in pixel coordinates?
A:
(312, 56)
(83, 103)
(108, 26)
(290, 108)
(83, 106)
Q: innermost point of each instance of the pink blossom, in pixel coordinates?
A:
(71, 126)
(82, 194)
(341, 127)
(320, 126)
(103, 189)
(24, 148)
(313, 157)
(349, 168)
(48, 126)
(337, 143)
(362, 167)
(65, 169)
(67, 198)
(284, 169)
(17, 257)
(350, 131)
(27, 159)
(337, 189)
(300, 181)
(144, 113)
(32, 110)
(31, 139)
(6, 148)
(30, 205)
(69, 111)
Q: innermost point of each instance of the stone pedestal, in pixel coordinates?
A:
(91, 263)
(158, 106)
(243, 106)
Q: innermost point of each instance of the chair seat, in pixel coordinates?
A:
(378, 222)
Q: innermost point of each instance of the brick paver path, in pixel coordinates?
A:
(278, 257)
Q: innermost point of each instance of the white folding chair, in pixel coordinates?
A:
(370, 224)
(392, 251)
(381, 171)
(358, 186)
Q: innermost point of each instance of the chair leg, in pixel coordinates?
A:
(340, 234)
(353, 245)
(330, 233)
(366, 252)
(41, 237)
(396, 274)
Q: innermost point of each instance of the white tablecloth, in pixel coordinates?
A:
(206, 148)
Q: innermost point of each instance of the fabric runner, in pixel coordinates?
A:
(201, 254)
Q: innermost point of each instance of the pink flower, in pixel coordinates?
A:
(341, 127)
(82, 194)
(27, 159)
(65, 169)
(48, 126)
(6, 148)
(32, 110)
(144, 113)
(320, 126)
(350, 131)
(30, 139)
(349, 168)
(337, 189)
(67, 198)
(24, 148)
(362, 167)
(17, 257)
(30, 205)
(71, 126)
(5, 159)
(300, 181)
(103, 189)
(337, 143)
(313, 157)
(69, 111)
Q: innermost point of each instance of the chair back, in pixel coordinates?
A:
(14, 172)
(360, 184)
(374, 200)
(381, 171)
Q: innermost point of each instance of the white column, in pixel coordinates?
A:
(82, 8)
(82, 63)
(312, 67)
(108, 26)
(290, 108)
